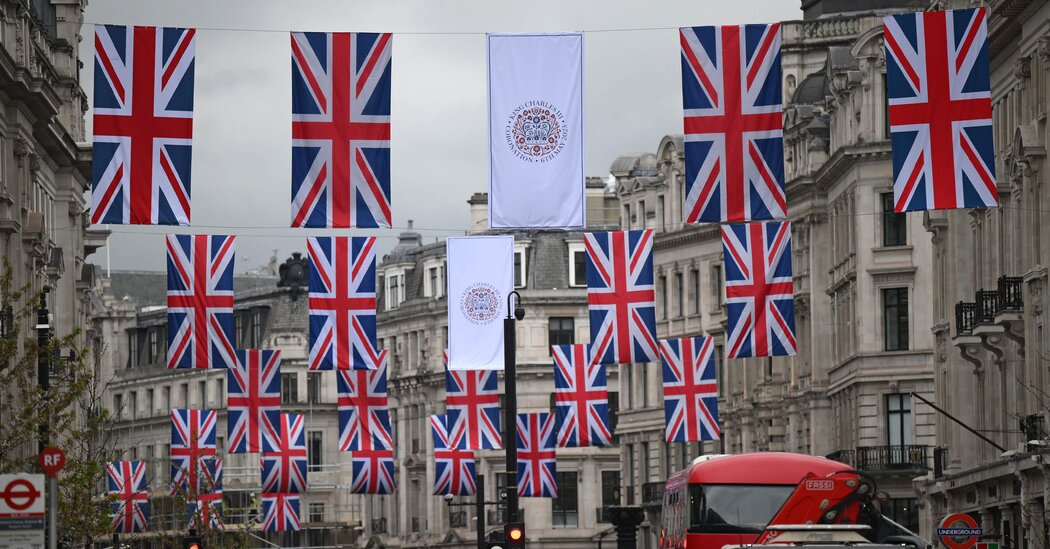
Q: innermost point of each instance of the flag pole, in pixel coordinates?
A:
(510, 408)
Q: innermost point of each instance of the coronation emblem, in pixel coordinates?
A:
(480, 303)
(536, 131)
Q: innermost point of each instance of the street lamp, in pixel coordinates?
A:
(479, 504)
(510, 409)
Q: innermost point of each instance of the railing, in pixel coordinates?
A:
(987, 305)
(379, 525)
(965, 317)
(457, 519)
(653, 493)
(910, 457)
(1010, 298)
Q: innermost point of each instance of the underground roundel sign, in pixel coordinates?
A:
(959, 531)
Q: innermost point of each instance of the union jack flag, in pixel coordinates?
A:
(372, 472)
(253, 401)
(127, 481)
(204, 508)
(280, 512)
(537, 465)
(472, 406)
(200, 301)
(284, 468)
(581, 395)
(192, 440)
(940, 110)
(759, 291)
(690, 390)
(364, 421)
(342, 303)
(341, 129)
(734, 132)
(621, 295)
(143, 125)
(454, 469)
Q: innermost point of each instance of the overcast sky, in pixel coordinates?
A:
(242, 119)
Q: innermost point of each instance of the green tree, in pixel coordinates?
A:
(71, 410)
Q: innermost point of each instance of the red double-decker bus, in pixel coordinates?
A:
(731, 499)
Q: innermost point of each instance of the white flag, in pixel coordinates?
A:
(536, 131)
(480, 276)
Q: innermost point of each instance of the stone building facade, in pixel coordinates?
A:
(990, 309)
(269, 313)
(862, 281)
(550, 274)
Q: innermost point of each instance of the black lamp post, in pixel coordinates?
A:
(510, 408)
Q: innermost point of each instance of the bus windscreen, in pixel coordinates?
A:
(734, 508)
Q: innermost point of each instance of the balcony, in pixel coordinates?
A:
(987, 302)
(884, 459)
(965, 318)
(1010, 298)
(653, 494)
(457, 519)
(379, 525)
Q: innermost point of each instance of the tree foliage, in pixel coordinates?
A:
(71, 410)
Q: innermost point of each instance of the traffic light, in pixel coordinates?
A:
(192, 541)
(514, 535)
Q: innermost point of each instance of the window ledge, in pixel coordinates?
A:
(901, 248)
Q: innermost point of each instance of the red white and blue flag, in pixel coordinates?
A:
(280, 512)
(940, 109)
(341, 129)
(621, 295)
(143, 125)
(284, 468)
(690, 389)
(200, 301)
(759, 291)
(734, 132)
(127, 481)
(372, 472)
(342, 303)
(192, 442)
(204, 508)
(472, 406)
(454, 470)
(364, 420)
(253, 401)
(581, 395)
(537, 469)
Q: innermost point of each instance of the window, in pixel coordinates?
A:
(150, 402)
(903, 511)
(661, 294)
(202, 394)
(895, 318)
(566, 506)
(314, 450)
(521, 266)
(643, 472)
(660, 205)
(679, 285)
(395, 290)
(734, 509)
(256, 327)
(696, 291)
(317, 512)
(614, 409)
(577, 265)
(313, 387)
(289, 388)
(894, 225)
(238, 331)
(626, 221)
(185, 392)
(898, 423)
(716, 281)
(220, 394)
(610, 488)
(166, 395)
(720, 373)
(118, 405)
(154, 346)
(434, 283)
(641, 214)
(133, 404)
(133, 349)
(560, 331)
